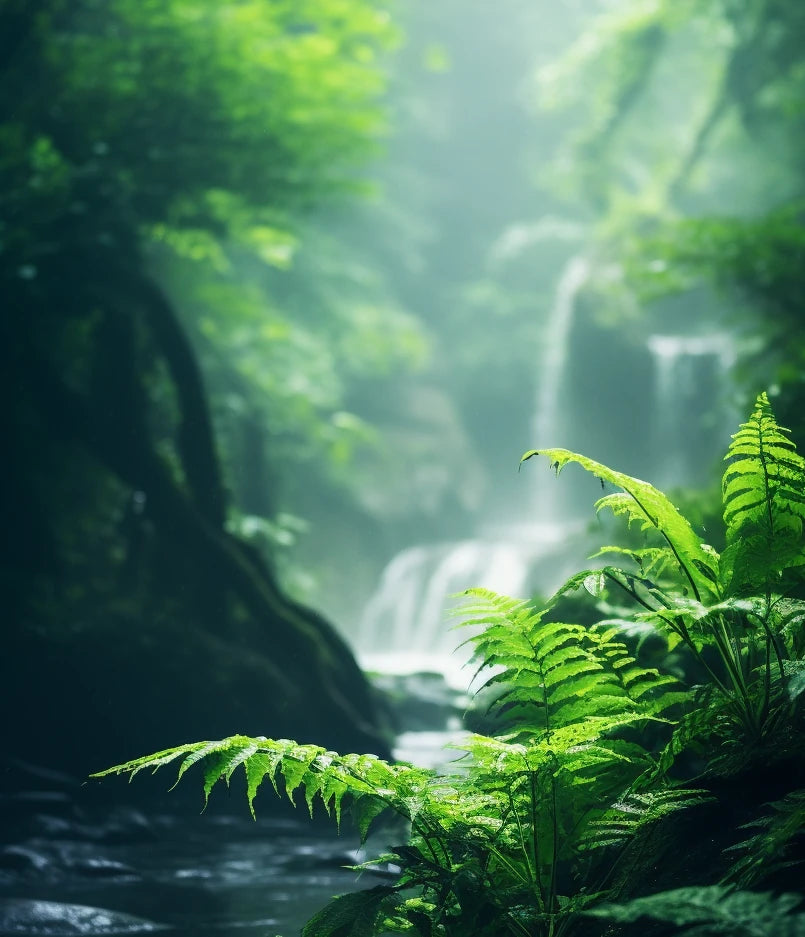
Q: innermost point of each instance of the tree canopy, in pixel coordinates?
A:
(689, 151)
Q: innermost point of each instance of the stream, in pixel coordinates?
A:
(219, 875)
(102, 859)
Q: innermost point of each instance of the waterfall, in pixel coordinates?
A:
(406, 625)
(548, 417)
(689, 370)
(555, 347)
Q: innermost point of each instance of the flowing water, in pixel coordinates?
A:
(122, 872)
(549, 412)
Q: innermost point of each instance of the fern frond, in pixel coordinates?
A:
(642, 502)
(763, 492)
(155, 761)
(714, 910)
(371, 784)
(693, 730)
(649, 561)
(354, 914)
(765, 852)
(636, 812)
(555, 675)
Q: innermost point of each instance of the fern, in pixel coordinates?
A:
(555, 674)
(767, 851)
(368, 783)
(714, 910)
(525, 836)
(639, 501)
(637, 812)
(733, 605)
(764, 503)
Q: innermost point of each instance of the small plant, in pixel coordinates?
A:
(547, 819)
(733, 612)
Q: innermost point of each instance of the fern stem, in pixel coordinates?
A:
(764, 710)
(532, 778)
(533, 871)
(771, 636)
(670, 543)
(735, 672)
(554, 847)
(676, 626)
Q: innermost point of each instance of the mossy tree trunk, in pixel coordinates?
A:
(223, 637)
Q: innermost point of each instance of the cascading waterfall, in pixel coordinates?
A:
(405, 625)
(548, 415)
(688, 371)
(555, 351)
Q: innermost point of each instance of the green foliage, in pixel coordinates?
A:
(559, 813)
(643, 503)
(713, 910)
(764, 504)
(733, 605)
(197, 160)
(766, 852)
(551, 672)
(369, 783)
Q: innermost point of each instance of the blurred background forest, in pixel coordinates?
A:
(289, 287)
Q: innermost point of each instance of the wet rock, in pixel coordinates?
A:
(124, 825)
(54, 919)
(127, 825)
(421, 700)
(100, 867)
(23, 859)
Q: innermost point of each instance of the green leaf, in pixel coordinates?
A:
(641, 501)
(763, 490)
(154, 761)
(294, 766)
(716, 909)
(352, 915)
(257, 767)
(365, 811)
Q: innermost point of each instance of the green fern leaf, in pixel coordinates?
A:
(295, 764)
(763, 491)
(221, 764)
(154, 762)
(332, 790)
(365, 811)
(352, 915)
(642, 502)
(629, 816)
(257, 767)
(714, 910)
(765, 852)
